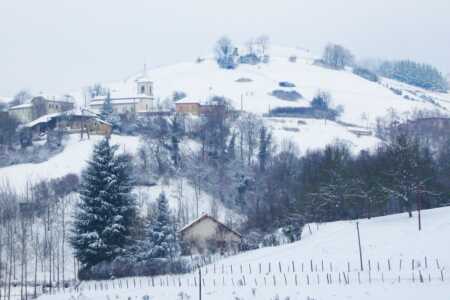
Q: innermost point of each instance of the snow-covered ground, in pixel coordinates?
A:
(71, 160)
(398, 253)
(312, 134)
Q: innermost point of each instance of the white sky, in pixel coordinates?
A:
(61, 45)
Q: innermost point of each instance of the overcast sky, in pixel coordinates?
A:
(60, 45)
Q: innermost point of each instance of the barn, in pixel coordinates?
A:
(207, 235)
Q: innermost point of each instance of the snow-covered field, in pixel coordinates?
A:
(312, 134)
(71, 160)
(399, 257)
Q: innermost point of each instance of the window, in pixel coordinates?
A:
(142, 89)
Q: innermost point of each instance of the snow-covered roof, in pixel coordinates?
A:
(206, 216)
(188, 100)
(73, 112)
(22, 106)
(42, 120)
(99, 100)
(143, 79)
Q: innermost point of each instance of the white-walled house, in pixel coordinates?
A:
(140, 100)
(208, 235)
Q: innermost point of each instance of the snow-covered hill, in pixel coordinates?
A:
(249, 87)
(363, 100)
(392, 244)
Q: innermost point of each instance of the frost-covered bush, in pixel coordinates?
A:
(286, 95)
(396, 91)
(286, 84)
(225, 53)
(305, 112)
(178, 95)
(366, 74)
(252, 240)
(127, 266)
(321, 100)
(249, 59)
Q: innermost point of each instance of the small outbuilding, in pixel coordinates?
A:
(207, 235)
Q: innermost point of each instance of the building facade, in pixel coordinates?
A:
(40, 106)
(197, 108)
(141, 100)
(207, 235)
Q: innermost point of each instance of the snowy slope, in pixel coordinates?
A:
(358, 96)
(393, 245)
(363, 101)
(71, 160)
(313, 134)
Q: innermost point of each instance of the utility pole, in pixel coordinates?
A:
(359, 245)
(199, 283)
(419, 208)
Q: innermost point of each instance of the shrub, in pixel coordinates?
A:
(127, 266)
(286, 84)
(321, 101)
(305, 112)
(293, 59)
(178, 95)
(396, 91)
(287, 95)
(366, 74)
(250, 59)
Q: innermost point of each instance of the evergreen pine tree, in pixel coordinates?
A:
(161, 232)
(107, 108)
(104, 215)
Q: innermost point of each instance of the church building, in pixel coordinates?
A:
(139, 100)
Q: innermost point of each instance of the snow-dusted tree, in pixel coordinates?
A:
(21, 97)
(104, 215)
(337, 57)
(96, 90)
(263, 43)
(264, 152)
(225, 53)
(160, 232)
(107, 108)
(8, 127)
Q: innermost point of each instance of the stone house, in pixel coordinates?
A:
(208, 235)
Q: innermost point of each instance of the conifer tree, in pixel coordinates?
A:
(105, 212)
(107, 108)
(161, 232)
